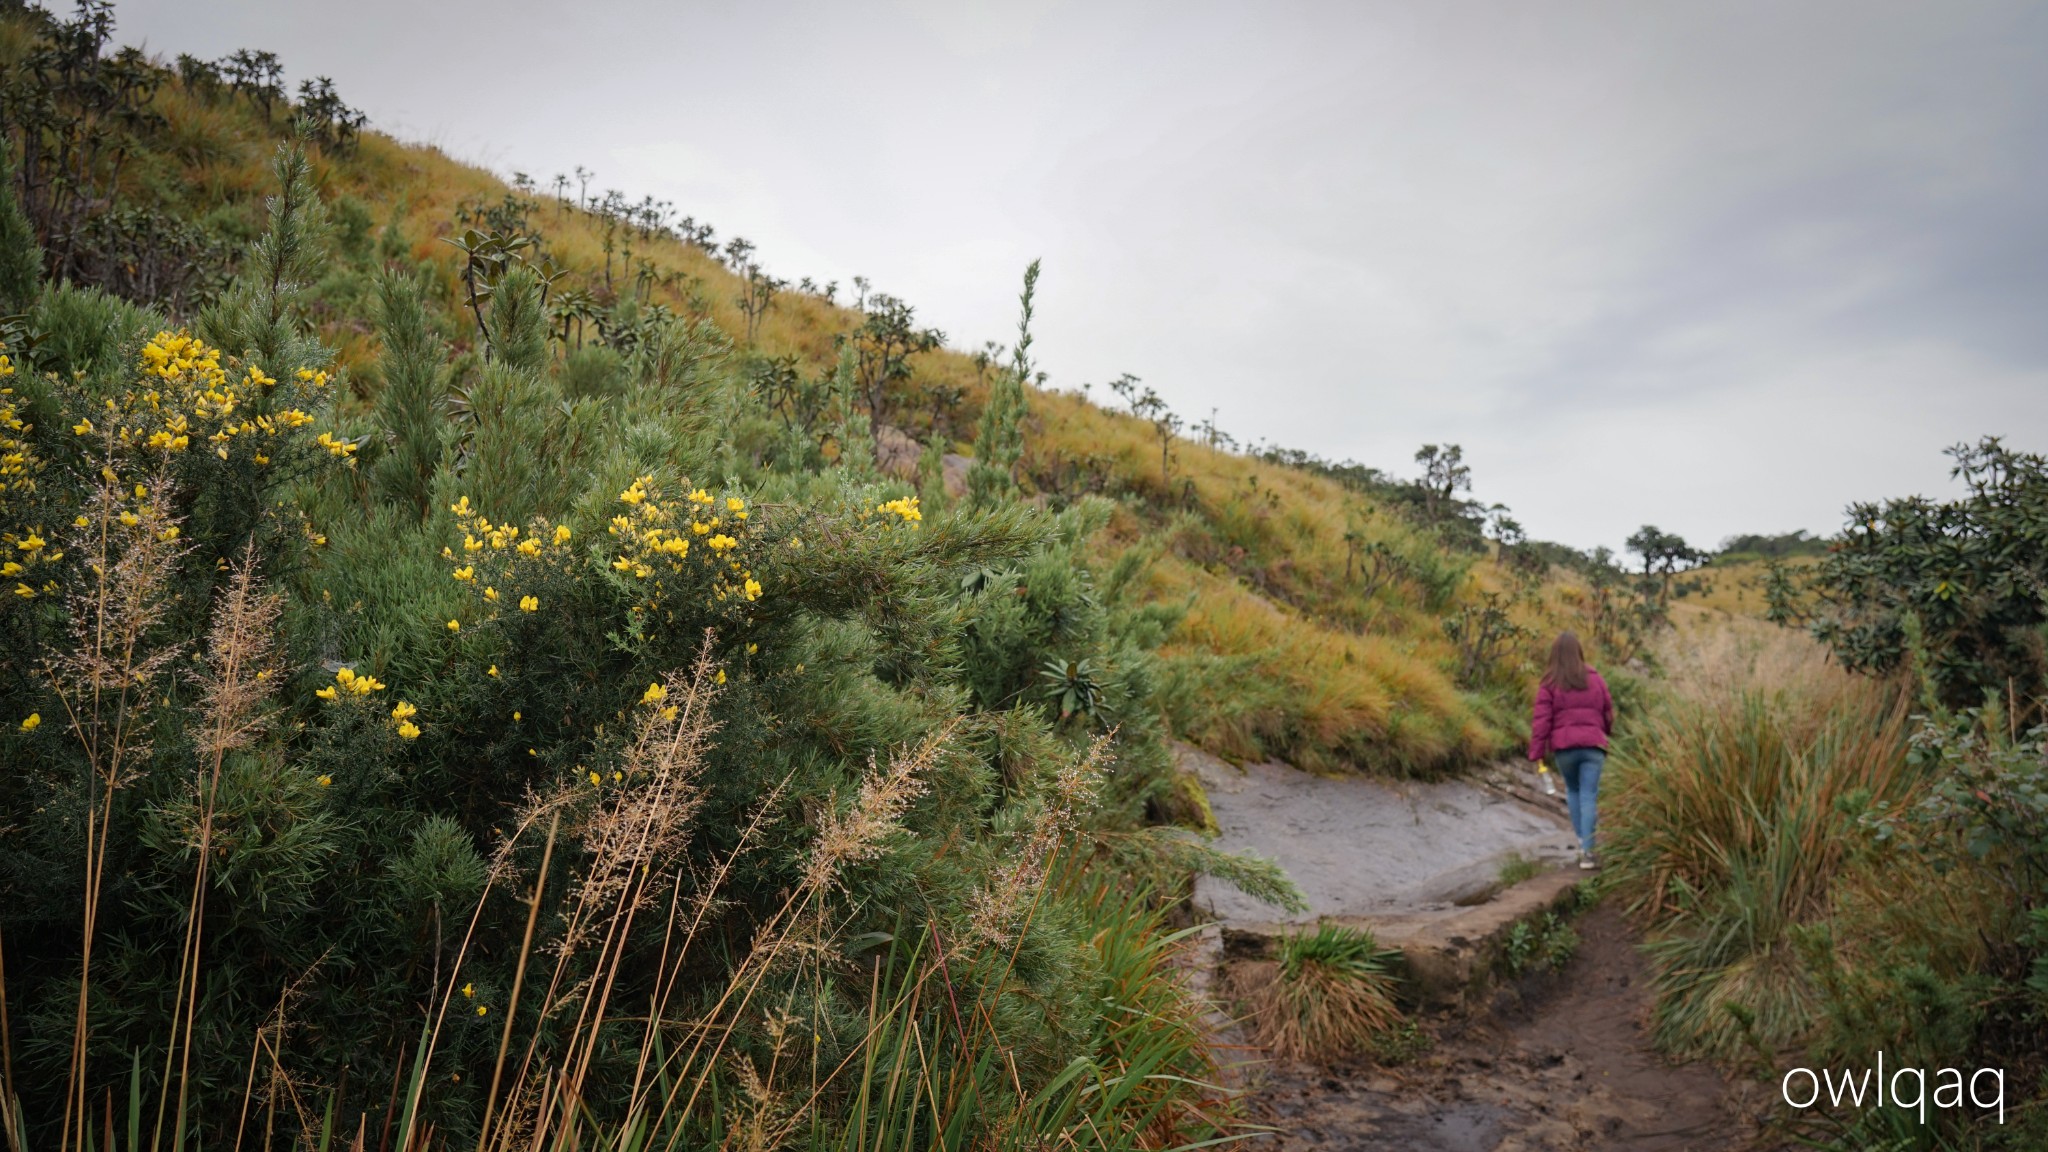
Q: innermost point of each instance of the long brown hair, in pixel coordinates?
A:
(1567, 667)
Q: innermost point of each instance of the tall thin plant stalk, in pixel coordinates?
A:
(103, 683)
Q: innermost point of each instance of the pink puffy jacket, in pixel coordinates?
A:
(1567, 718)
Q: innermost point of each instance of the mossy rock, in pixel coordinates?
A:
(1186, 804)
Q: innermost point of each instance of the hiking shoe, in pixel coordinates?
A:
(1587, 862)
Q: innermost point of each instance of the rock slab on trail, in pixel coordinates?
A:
(1365, 848)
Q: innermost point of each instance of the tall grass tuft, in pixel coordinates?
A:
(1733, 823)
(1326, 995)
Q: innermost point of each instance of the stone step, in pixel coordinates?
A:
(1451, 956)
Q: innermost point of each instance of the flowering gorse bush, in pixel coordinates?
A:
(184, 395)
(697, 545)
(503, 568)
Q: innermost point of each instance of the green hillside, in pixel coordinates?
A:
(1332, 598)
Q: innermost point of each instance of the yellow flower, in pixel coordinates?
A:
(669, 713)
(80, 522)
(460, 507)
(491, 594)
(481, 1010)
(595, 780)
(491, 671)
(753, 648)
(735, 504)
(334, 447)
(24, 591)
(168, 534)
(408, 730)
(466, 573)
(455, 625)
(324, 780)
(721, 675)
(529, 603)
(34, 721)
(753, 589)
(328, 693)
(355, 684)
(468, 990)
(561, 533)
(530, 546)
(906, 508)
(82, 428)
(404, 711)
(655, 694)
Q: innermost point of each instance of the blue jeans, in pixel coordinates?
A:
(1580, 768)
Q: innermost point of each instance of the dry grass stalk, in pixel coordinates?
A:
(632, 837)
(858, 834)
(540, 880)
(993, 912)
(1717, 664)
(269, 1039)
(106, 682)
(674, 951)
(239, 677)
(762, 1119)
(628, 836)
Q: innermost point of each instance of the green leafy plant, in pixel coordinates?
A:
(1963, 573)
(1546, 943)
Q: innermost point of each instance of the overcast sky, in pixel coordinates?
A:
(1718, 266)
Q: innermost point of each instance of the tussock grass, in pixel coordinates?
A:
(1328, 994)
(1733, 824)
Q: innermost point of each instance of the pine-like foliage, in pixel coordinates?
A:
(410, 407)
(21, 258)
(1001, 440)
(258, 315)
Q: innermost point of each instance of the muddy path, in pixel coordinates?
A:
(1562, 1062)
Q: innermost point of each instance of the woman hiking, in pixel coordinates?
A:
(1574, 716)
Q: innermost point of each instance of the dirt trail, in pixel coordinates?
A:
(1561, 1063)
